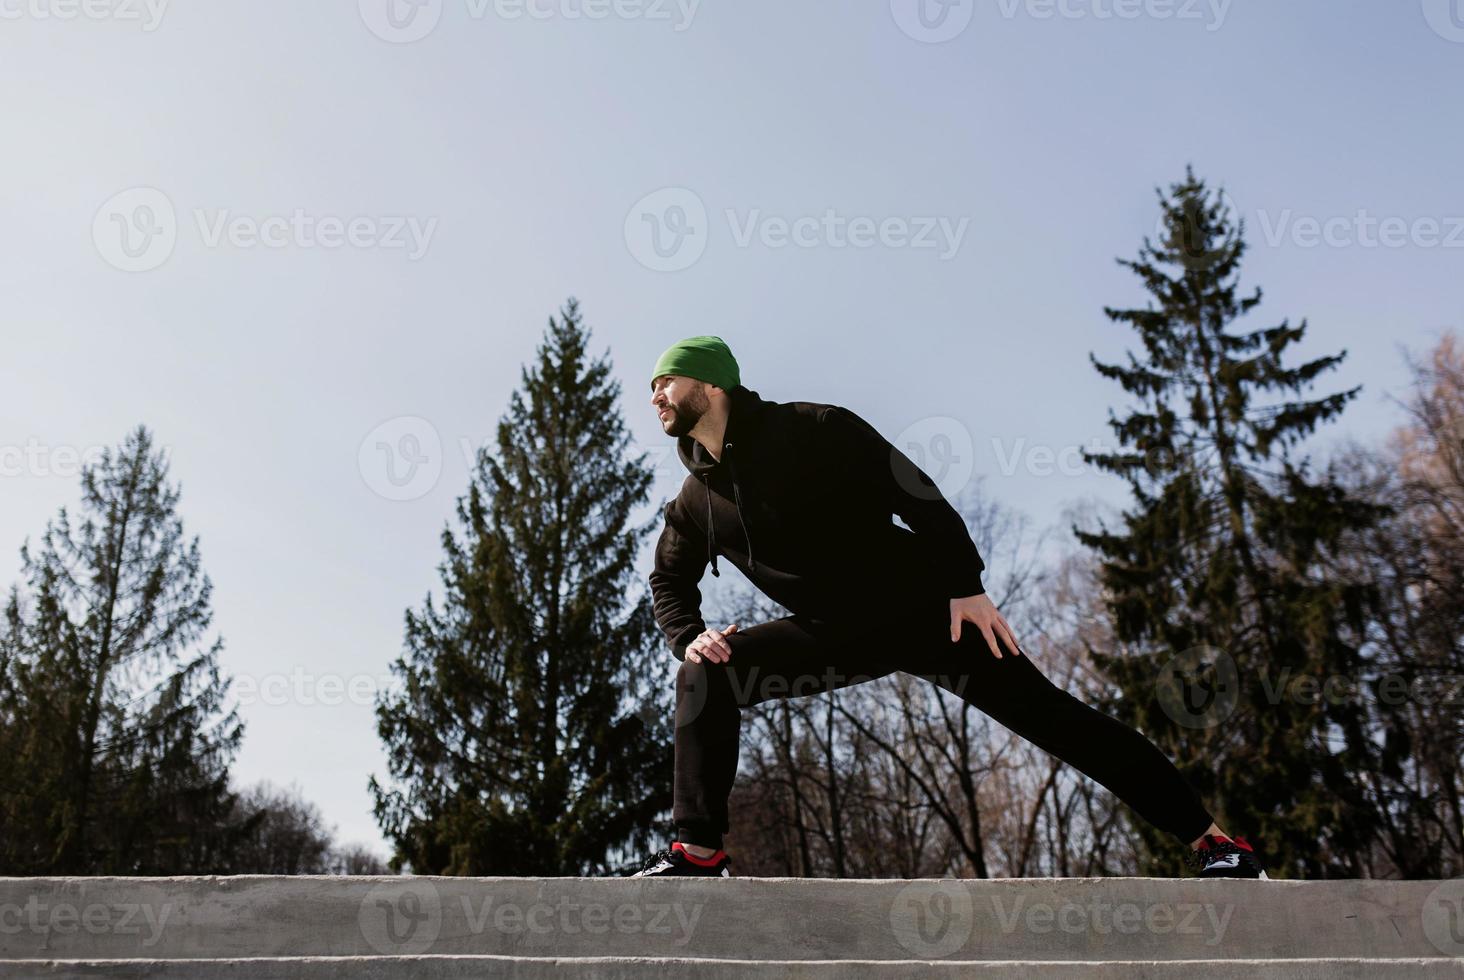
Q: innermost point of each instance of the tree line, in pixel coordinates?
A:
(1289, 629)
(115, 726)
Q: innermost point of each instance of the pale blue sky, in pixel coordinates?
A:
(521, 152)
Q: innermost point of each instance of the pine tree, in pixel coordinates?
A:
(113, 726)
(531, 734)
(1217, 583)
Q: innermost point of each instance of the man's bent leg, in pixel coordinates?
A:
(790, 657)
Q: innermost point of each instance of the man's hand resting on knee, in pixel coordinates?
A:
(711, 646)
(979, 609)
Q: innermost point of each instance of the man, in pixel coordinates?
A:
(799, 496)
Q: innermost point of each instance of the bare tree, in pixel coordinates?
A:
(1414, 690)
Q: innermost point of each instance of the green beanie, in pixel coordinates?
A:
(705, 358)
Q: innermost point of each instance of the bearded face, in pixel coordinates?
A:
(681, 403)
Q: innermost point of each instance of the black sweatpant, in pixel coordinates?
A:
(798, 656)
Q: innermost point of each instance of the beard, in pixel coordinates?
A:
(685, 416)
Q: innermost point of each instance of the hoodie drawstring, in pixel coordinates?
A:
(737, 499)
(712, 528)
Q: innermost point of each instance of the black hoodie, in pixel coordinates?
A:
(801, 503)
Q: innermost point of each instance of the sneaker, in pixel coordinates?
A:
(677, 861)
(1226, 857)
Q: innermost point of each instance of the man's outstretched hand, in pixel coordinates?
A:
(979, 609)
(711, 646)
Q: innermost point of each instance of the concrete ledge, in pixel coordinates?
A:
(631, 968)
(1150, 920)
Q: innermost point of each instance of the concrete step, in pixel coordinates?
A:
(334, 926)
(633, 968)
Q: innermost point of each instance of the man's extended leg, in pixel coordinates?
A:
(1015, 693)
